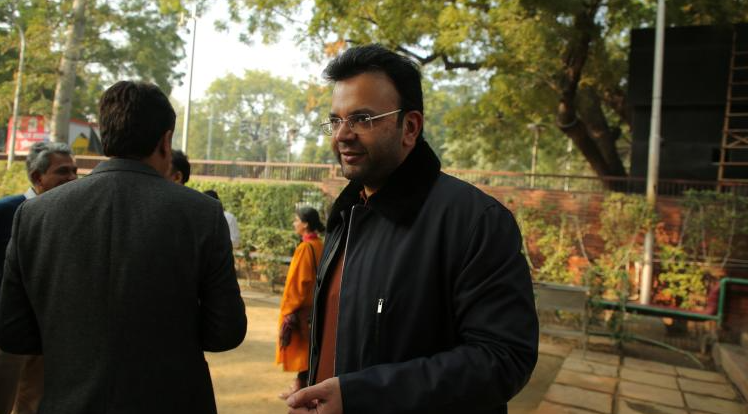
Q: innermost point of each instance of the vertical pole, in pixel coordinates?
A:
(16, 99)
(567, 167)
(210, 134)
(645, 288)
(534, 162)
(186, 124)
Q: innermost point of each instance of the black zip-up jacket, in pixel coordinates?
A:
(436, 311)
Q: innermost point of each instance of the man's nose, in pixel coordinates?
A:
(344, 133)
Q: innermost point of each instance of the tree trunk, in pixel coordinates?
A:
(583, 120)
(66, 75)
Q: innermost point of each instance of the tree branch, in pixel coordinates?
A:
(567, 116)
(449, 65)
(616, 100)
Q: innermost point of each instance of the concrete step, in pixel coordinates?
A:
(733, 360)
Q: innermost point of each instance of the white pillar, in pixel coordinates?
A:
(12, 150)
(186, 124)
(653, 165)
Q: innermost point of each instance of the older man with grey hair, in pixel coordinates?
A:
(48, 165)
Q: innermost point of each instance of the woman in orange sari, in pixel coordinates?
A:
(292, 349)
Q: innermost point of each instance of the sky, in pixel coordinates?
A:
(219, 53)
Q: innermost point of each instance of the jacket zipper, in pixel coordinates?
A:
(340, 293)
(380, 306)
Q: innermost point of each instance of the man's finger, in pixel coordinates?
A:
(291, 389)
(305, 396)
(302, 410)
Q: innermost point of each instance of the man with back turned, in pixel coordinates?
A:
(122, 279)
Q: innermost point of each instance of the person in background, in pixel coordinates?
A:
(48, 165)
(180, 167)
(292, 350)
(230, 220)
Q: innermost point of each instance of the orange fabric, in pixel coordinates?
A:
(329, 325)
(297, 296)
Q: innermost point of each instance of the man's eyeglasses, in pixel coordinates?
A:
(358, 123)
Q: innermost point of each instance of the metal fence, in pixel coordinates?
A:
(301, 172)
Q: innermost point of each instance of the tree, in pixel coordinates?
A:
(559, 63)
(135, 39)
(66, 79)
(254, 116)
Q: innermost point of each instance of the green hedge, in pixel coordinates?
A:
(13, 181)
(265, 212)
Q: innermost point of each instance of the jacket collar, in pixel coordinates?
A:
(125, 164)
(402, 196)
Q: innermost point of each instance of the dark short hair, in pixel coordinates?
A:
(133, 116)
(180, 162)
(310, 216)
(211, 193)
(403, 72)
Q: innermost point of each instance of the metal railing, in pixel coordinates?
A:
(301, 172)
(582, 183)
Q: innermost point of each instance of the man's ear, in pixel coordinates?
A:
(36, 178)
(412, 125)
(165, 143)
(177, 177)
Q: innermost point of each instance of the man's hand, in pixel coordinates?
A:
(291, 389)
(323, 398)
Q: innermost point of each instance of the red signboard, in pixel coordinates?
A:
(82, 136)
(31, 129)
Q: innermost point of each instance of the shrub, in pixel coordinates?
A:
(13, 181)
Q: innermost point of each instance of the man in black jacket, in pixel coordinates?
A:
(424, 300)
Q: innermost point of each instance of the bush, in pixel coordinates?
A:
(549, 237)
(13, 181)
(265, 214)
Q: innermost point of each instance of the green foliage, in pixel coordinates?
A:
(136, 39)
(552, 237)
(683, 279)
(254, 117)
(13, 181)
(713, 229)
(264, 212)
(624, 219)
(511, 55)
(714, 226)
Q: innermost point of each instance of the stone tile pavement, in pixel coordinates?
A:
(600, 383)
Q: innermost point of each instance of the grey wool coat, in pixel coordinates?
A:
(121, 279)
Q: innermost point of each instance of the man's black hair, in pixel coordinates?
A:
(133, 116)
(212, 193)
(179, 162)
(403, 72)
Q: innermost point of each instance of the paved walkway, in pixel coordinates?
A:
(597, 383)
(262, 297)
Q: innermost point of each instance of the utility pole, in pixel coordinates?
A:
(17, 97)
(567, 167)
(186, 124)
(653, 165)
(290, 138)
(210, 133)
(534, 162)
